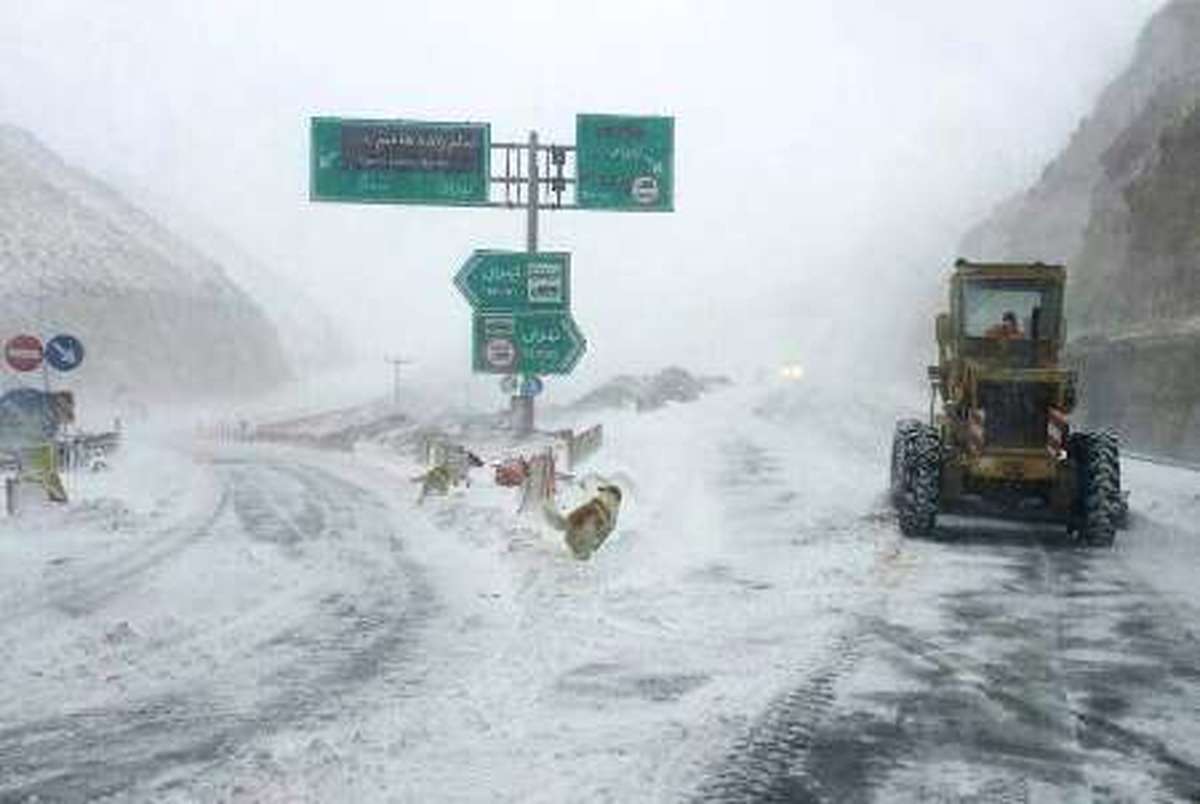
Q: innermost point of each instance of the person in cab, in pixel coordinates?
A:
(1007, 330)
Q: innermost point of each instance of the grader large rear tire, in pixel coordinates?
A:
(1110, 444)
(904, 432)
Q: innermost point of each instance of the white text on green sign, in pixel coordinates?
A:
(526, 343)
(516, 280)
(399, 162)
(624, 163)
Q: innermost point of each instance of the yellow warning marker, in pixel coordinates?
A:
(40, 465)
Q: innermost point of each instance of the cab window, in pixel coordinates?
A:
(1009, 310)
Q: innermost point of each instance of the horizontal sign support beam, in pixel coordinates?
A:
(524, 146)
(522, 205)
(548, 180)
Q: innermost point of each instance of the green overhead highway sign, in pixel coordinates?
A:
(625, 164)
(521, 301)
(399, 162)
(516, 280)
(526, 343)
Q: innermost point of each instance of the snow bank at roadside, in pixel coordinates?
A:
(743, 543)
(1162, 543)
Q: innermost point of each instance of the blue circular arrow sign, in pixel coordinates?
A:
(531, 386)
(64, 352)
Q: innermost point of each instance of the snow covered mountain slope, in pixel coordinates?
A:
(1049, 220)
(311, 340)
(158, 319)
(1119, 206)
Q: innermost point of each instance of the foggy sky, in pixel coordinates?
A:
(822, 145)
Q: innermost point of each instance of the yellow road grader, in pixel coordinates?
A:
(1001, 443)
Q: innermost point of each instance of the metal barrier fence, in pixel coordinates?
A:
(227, 430)
(71, 453)
(540, 484)
(49, 466)
(584, 445)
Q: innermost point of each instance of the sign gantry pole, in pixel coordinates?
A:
(532, 199)
(522, 403)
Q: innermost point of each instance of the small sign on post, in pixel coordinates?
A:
(23, 352)
(64, 352)
(495, 344)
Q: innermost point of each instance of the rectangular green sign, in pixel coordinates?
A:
(526, 343)
(625, 164)
(399, 162)
(505, 281)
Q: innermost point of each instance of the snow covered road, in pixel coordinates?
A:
(135, 653)
(1009, 665)
(260, 623)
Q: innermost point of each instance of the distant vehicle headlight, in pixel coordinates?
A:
(793, 372)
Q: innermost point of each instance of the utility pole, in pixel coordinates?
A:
(396, 362)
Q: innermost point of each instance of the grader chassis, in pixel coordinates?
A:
(1001, 443)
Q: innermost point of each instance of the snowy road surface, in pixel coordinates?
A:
(143, 649)
(253, 623)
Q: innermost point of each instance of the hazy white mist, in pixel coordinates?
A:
(826, 151)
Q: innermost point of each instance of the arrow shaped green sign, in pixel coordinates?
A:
(527, 343)
(516, 281)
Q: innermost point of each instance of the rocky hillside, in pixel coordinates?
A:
(158, 319)
(312, 342)
(1120, 206)
(649, 392)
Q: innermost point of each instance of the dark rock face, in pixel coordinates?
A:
(158, 319)
(1120, 207)
(1049, 221)
(1145, 388)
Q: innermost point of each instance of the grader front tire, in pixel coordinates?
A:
(919, 488)
(1098, 505)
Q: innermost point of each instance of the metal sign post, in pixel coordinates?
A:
(522, 405)
(531, 219)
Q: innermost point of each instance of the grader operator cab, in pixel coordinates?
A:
(1001, 443)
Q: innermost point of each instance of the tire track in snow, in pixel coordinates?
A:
(89, 586)
(351, 638)
(1133, 665)
(1044, 672)
(766, 763)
